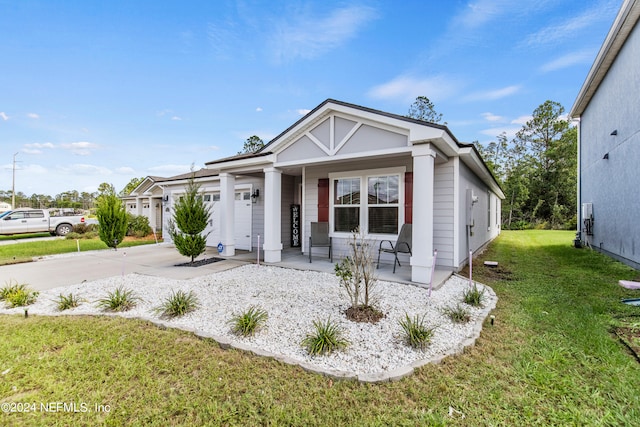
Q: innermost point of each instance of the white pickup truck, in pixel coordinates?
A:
(20, 221)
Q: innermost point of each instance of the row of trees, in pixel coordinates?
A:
(67, 199)
(537, 169)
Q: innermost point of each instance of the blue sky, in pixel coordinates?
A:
(94, 92)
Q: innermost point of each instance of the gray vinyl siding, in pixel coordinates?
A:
(443, 207)
(611, 185)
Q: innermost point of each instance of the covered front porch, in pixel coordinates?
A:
(293, 258)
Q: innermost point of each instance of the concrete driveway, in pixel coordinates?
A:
(152, 260)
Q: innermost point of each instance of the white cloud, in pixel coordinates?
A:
(176, 118)
(81, 148)
(522, 120)
(4, 116)
(170, 169)
(303, 111)
(259, 109)
(39, 145)
(306, 36)
(494, 132)
(491, 95)
(580, 57)
(35, 169)
(407, 89)
(31, 151)
(125, 170)
(479, 13)
(569, 28)
(84, 169)
(33, 116)
(492, 117)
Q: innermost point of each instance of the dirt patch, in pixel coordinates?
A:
(628, 331)
(364, 314)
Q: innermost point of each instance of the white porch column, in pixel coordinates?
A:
(227, 214)
(152, 213)
(423, 179)
(272, 215)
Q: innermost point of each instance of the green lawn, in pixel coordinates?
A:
(550, 359)
(25, 251)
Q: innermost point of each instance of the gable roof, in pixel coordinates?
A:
(622, 27)
(418, 130)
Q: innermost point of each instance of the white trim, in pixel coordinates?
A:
(363, 176)
(359, 156)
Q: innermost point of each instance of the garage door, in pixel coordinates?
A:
(242, 224)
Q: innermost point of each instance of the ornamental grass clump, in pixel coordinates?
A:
(416, 333)
(457, 314)
(18, 295)
(178, 304)
(473, 296)
(249, 322)
(326, 338)
(65, 302)
(121, 299)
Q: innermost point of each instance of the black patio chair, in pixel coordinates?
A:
(403, 245)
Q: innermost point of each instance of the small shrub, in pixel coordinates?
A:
(327, 337)
(80, 228)
(473, 296)
(178, 304)
(91, 235)
(119, 300)
(248, 322)
(458, 314)
(416, 333)
(65, 302)
(73, 236)
(138, 225)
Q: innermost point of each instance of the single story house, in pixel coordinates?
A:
(348, 166)
(608, 110)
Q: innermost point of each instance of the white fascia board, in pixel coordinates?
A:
(438, 137)
(344, 157)
(470, 158)
(240, 166)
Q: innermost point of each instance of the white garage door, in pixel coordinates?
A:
(242, 220)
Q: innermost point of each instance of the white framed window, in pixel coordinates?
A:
(383, 198)
(207, 198)
(346, 204)
(215, 197)
(371, 199)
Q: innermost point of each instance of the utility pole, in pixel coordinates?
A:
(13, 185)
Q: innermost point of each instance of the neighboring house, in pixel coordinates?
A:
(608, 108)
(349, 166)
(5, 207)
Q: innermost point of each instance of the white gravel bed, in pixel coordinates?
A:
(293, 299)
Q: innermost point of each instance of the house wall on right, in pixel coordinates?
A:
(609, 158)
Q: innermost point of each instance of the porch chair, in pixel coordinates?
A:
(403, 245)
(319, 238)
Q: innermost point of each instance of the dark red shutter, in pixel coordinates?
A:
(408, 197)
(323, 200)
